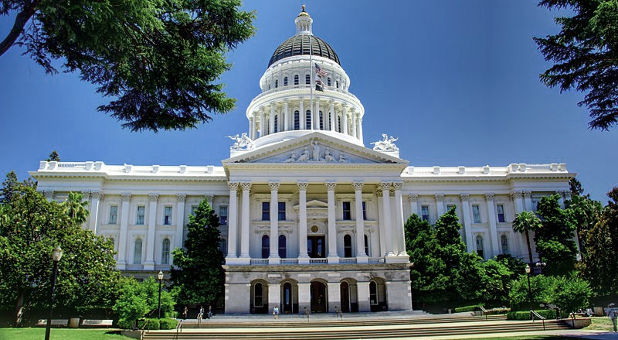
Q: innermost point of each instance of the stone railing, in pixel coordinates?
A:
(259, 262)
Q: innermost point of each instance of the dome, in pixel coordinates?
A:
(299, 45)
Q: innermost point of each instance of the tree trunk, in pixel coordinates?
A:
(19, 308)
(18, 26)
(529, 248)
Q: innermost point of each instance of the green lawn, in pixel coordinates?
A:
(600, 323)
(60, 334)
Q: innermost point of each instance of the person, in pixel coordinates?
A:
(200, 315)
(185, 312)
(276, 312)
(209, 315)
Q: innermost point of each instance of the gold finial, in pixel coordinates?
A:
(303, 12)
(303, 7)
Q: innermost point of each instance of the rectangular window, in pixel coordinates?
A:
(476, 213)
(113, 214)
(346, 211)
(500, 209)
(223, 215)
(364, 211)
(281, 211)
(265, 211)
(307, 79)
(425, 212)
(167, 215)
(139, 219)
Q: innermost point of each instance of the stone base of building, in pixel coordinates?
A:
(317, 288)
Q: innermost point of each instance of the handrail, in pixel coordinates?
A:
(534, 314)
(484, 311)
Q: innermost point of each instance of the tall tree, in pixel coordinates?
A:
(197, 270)
(160, 61)
(525, 222)
(53, 156)
(8, 187)
(585, 213)
(585, 56)
(76, 207)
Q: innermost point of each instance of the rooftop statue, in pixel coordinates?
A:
(387, 144)
(242, 143)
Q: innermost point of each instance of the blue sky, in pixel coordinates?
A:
(456, 82)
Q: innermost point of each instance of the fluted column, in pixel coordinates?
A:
(333, 257)
(302, 223)
(250, 131)
(361, 257)
(245, 236)
(413, 203)
(399, 240)
(288, 121)
(440, 204)
(345, 119)
(271, 120)
(386, 207)
(152, 223)
(528, 201)
(332, 115)
(360, 128)
(316, 114)
(301, 115)
(493, 232)
(124, 228)
(518, 200)
(94, 210)
(354, 125)
(465, 208)
(358, 125)
(262, 122)
(381, 224)
(274, 224)
(180, 218)
(232, 222)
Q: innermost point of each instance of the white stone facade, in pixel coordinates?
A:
(311, 218)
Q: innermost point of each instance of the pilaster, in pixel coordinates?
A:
(333, 257)
(361, 257)
(124, 224)
(303, 258)
(274, 224)
(465, 208)
(152, 223)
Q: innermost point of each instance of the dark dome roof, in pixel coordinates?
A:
(299, 45)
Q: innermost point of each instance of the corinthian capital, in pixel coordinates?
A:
(233, 186)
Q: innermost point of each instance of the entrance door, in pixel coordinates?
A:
(287, 298)
(315, 246)
(318, 297)
(345, 297)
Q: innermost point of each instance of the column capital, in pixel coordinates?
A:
(464, 196)
(397, 185)
(490, 196)
(274, 186)
(85, 194)
(181, 196)
(153, 196)
(439, 197)
(358, 186)
(517, 194)
(527, 194)
(233, 186)
(330, 186)
(246, 186)
(125, 196)
(379, 193)
(386, 186)
(413, 196)
(302, 186)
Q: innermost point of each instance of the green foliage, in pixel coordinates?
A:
(585, 213)
(496, 282)
(572, 294)
(554, 240)
(569, 293)
(161, 61)
(471, 308)
(53, 156)
(30, 227)
(149, 323)
(168, 323)
(197, 271)
(584, 55)
(525, 315)
(525, 222)
(140, 299)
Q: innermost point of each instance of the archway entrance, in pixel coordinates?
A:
(318, 297)
(289, 297)
(348, 293)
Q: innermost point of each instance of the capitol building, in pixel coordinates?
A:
(312, 219)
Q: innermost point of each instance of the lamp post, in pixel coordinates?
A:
(529, 291)
(56, 255)
(160, 278)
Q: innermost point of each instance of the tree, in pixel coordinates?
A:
(53, 156)
(585, 53)
(571, 294)
(585, 213)
(525, 222)
(8, 187)
(76, 208)
(160, 60)
(197, 271)
(139, 299)
(30, 227)
(554, 239)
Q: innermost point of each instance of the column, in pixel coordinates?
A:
(250, 127)
(345, 119)
(360, 128)
(381, 223)
(332, 115)
(274, 224)
(316, 114)
(386, 209)
(274, 296)
(440, 204)
(288, 120)
(271, 120)
(493, 231)
(465, 208)
(301, 115)
(399, 241)
(262, 124)
(124, 227)
(361, 257)
(528, 201)
(362, 288)
(354, 125)
(180, 218)
(49, 194)
(413, 203)
(245, 235)
(232, 222)
(302, 223)
(150, 239)
(518, 200)
(333, 257)
(334, 296)
(94, 210)
(304, 297)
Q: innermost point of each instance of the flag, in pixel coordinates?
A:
(319, 75)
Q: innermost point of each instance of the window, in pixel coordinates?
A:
(330, 120)
(276, 123)
(276, 83)
(339, 124)
(479, 245)
(282, 247)
(193, 209)
(265, 246)
(504, 242)
(285, 81)
(167, 215)
(257, 295)
(137, 251)
(223, 215)
(425, 212)
(500, 209)
(307, 79)
(366, 245)
(346, 211)
(337, 83)
(281, 211)
(296, 120)
(347, 246)
(308, 120)
(139, 220)
(476, 213)
(373, 293)
(296, 79)
(265, 211)
(165, 251)
(328, 81)
(321, 121)
(450, 206)
(364, 211)
(113, 214)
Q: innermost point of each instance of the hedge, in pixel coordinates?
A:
(168, 323)
(525, 315)
(467, 308)
(153, 324)
(150, 324)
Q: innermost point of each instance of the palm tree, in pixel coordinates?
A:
(76, 208)
(523, 223)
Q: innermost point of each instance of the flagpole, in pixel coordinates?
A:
(311, 83)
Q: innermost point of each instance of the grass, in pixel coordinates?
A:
(60, 334)
(600, 323)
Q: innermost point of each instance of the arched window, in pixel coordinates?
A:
(328, 81)
(137, 251)
(504, 241)
(366, 245)
(321, 121)
(479, 245)
(373, 293)
(265, 246)
(296, 120)
(347, 246)
(276, 123)
(282, 247)
(330, 120)
(258, 294)
(308, 120)
(296, 79)
(165, 251)
(307, 79)
(285, 81)
(276, 83)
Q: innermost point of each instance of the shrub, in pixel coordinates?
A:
(140, 299)
(525, 315)
(168, 323)
(471, 308)
(150, 324)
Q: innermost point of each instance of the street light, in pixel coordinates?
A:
(529, 292)
(56, 255)
(160, 277)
